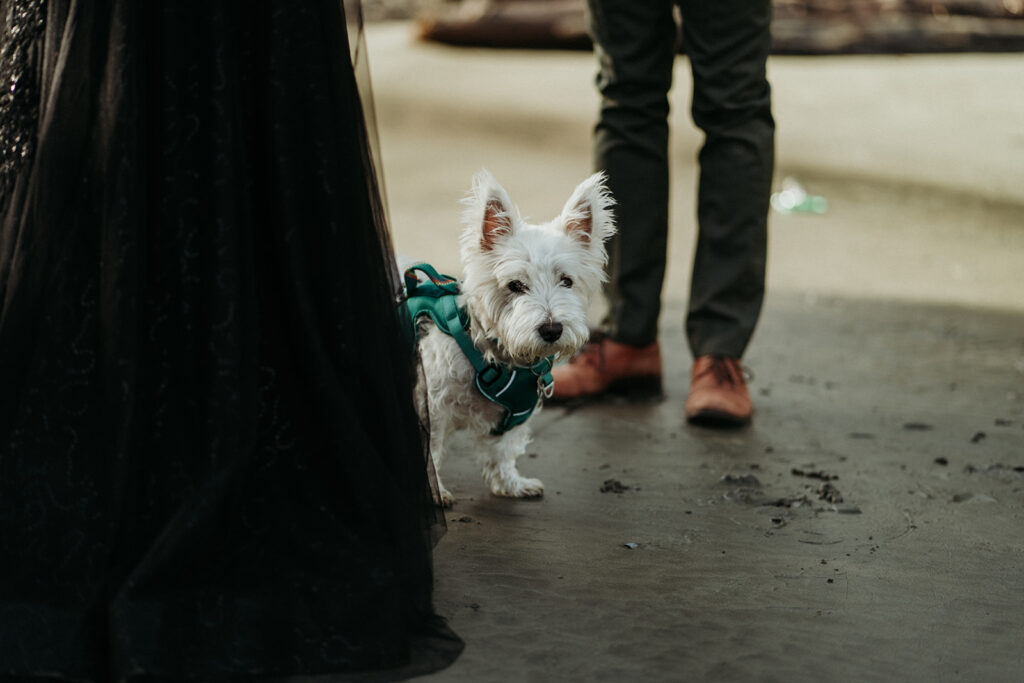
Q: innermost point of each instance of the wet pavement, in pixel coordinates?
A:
(868, 525)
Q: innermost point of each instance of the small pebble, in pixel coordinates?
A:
(741, 480)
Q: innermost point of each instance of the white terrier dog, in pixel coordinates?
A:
(522, 305)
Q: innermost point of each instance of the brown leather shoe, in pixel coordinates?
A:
(607, 367)
(718, 393)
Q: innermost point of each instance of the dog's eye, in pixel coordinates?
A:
(566, 281)
(516, 287)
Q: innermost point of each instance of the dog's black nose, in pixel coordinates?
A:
(550, 332)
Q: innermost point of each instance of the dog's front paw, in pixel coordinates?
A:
(517, 487)
(447, 497)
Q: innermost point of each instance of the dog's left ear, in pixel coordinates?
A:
(588, 215)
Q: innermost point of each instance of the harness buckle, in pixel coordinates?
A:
(489, 375)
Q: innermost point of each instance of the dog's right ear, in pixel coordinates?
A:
(497, 222)
(490, 210)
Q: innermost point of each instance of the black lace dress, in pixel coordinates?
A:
(210, 466)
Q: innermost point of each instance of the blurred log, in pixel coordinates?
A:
(799, 26)
(539, 24)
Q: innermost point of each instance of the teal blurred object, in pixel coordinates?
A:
(794, 199)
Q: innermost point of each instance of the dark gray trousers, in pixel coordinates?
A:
(727, 42)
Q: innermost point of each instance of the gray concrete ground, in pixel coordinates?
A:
(889, 365)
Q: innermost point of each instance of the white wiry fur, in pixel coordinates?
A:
(518, 278)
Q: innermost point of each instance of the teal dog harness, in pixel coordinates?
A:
(516, 389)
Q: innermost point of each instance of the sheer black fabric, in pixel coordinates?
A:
(210, 466)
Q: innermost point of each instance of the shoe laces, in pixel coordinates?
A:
(727, 370)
